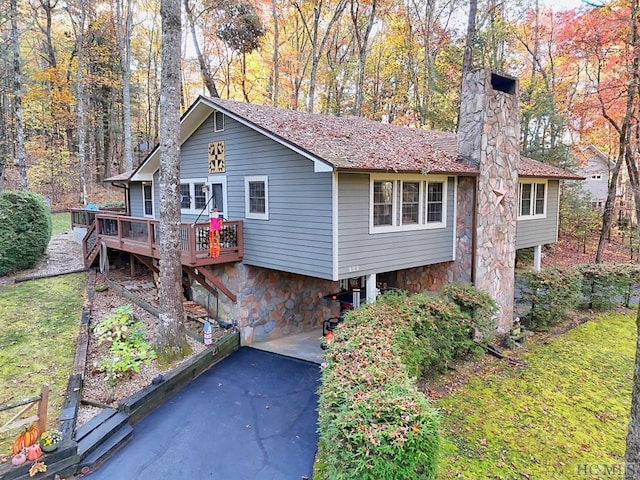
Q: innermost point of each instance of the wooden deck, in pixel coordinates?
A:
(140, 236)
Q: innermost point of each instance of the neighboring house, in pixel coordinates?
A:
(596, 167)
(315, 204)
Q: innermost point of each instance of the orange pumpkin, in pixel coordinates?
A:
(27, 438)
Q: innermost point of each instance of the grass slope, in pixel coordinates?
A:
(567, 407)
(60, 222)
(39, 323)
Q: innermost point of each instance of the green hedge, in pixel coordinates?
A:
(374, 423)
(549, 295)
(607, 285)
(478, 305)
(25, 232)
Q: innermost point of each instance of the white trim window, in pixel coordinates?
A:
(407, 203)
(532, 199)
(256, 197)
(147, 199)
(193, 195)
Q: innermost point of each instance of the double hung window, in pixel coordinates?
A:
(193, 195)
(532, 199)
(256, 190)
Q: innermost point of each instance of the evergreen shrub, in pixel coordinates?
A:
(607, 285)
(25, 230)
(548, 296)
(374, 423)
(478, 305)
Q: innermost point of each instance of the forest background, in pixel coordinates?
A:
(85, 76)
(80, 80)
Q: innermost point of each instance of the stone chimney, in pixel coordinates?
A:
(489, 135)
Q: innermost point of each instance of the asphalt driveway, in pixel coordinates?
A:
(253, 416)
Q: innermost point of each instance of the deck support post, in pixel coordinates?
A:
(372, 289)
(537, 258)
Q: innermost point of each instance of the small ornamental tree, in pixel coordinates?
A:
(25, 230)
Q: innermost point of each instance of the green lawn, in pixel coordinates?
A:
(60, 222)
(39, 322)
(567, 408)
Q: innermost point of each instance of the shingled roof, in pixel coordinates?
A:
(355, 143)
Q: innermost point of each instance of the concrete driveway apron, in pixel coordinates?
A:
(253, 416)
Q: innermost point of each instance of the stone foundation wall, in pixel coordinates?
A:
(426, 278)
(270, 304)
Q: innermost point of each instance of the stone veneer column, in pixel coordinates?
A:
(489, 134)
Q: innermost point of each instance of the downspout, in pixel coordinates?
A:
(127, 198)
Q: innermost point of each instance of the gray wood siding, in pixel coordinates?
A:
(297, 238)
(598, 188)
(384, 252)
(135, 194)
(532, 232)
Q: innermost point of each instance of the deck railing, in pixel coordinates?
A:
(82, 217)
(141, 236)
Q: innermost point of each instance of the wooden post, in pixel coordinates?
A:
(42, 407)
(191, 244)
(150, 236)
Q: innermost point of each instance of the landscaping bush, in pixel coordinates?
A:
(607, 285)
(127, 346)
(478, 305)
(433, 332)
(550, 295)
(374, 423)
(25, 232)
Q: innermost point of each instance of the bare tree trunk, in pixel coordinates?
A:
(20, 153)
(5, 116)
(467, 59)
(275, 77)
(317, 44)
(205, 71)
(151, 119)
(243, 80)
(48, 7)
(607, 211)
(632, 453)
(171, 339)
(362, 40)
(124, 30)
(80, 98)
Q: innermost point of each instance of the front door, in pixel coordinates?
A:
(218, 195)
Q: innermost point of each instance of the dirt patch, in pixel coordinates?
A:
(569, 251)
(95, 389)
